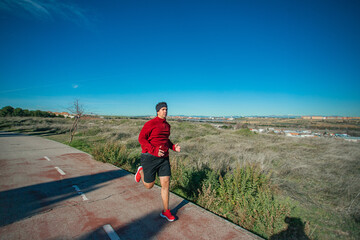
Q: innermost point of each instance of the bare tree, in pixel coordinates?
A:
(77, 110)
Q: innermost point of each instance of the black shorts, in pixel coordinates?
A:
(152, 165)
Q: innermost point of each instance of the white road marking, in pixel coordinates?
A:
(60, 171)
(110, 232)
(47, 158)
(84, 197)
(77, 189)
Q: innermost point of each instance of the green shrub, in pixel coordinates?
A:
(116, 154)
(81, 144)
(90, 132)
(185, 180)
(113, 153)
(245, 196)
(245, 132)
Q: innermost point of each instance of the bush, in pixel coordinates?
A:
(90, 131)
(186, 181)
(245, 132)
(116, 154)
(81, 145)
(245, 196)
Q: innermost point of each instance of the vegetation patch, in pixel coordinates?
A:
(116, 154)
(245, 132)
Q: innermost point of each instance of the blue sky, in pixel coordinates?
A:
(203, 57)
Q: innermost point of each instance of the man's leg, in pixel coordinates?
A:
(165, 185)
(147, 185)
(148, 165)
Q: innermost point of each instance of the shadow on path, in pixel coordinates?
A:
(294, 231)
(146, 227)
(176, 209)
(22, 133)
(9, 134)
(20, 203)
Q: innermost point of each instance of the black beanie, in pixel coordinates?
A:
(160, 105)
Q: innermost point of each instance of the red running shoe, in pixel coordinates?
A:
(167, 215)
(137, 175)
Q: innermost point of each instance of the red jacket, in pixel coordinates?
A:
(154, 135)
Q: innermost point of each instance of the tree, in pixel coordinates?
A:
(32, 113)
(6, 111)
(18, 112)
(38, 113)
(77, 110)
(26, 113)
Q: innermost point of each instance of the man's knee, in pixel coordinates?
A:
(165, 182)
(149, 185)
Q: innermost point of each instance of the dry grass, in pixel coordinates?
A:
(351, 126)
(321, 175)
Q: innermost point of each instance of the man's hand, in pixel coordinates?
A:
(177, 148)
(161, 152)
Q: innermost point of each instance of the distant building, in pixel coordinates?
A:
(328, 118)
(318, 118)
(65, 114)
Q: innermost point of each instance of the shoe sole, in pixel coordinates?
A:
(137, 174)
(166, 217)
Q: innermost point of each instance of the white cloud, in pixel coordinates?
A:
(45, 10)
(75, 86)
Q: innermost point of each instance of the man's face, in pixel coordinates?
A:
(162, 113)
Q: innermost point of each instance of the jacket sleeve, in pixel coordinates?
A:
(143, 139)
(171, 145)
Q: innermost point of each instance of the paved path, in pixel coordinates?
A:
(52, 191)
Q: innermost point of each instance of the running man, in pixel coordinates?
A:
(155, 145)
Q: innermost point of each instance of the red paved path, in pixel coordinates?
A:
(37, 202)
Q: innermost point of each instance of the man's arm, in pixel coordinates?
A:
(171, 145)
(174, 147)
(143, 138)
